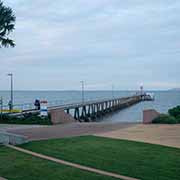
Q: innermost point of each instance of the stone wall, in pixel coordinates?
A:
(58, 116)
(149, 115)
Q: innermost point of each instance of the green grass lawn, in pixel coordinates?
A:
(135, 159)
(15, 165)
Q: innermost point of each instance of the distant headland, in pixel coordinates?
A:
(175, 89)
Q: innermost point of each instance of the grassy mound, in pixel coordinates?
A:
(19, 166)
(134, 159)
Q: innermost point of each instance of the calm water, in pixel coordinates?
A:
(163, 101)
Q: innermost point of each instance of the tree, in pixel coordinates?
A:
(7, 24)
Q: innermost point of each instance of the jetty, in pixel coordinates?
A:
(88, 111)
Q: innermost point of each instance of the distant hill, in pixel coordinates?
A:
(175, 89)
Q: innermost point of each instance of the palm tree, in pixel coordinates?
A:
(7, 23)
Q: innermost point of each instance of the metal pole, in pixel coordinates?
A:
(113, 91)
(12, 91)
(11, 75)
(1, 101)
(82, 83)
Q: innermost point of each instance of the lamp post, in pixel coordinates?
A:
(1, 103)
(82, 85)
(11, 101)
(113, 91)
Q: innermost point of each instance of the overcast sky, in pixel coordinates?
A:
(103, 42)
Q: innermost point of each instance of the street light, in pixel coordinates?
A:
(82, 84)
(11, 101)
(1, 103)
(113, 91)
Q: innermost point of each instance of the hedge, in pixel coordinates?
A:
(173, 117)
(25, 119)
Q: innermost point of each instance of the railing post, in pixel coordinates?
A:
(67, 111)
(83, 113)
(76, 114)
(89, 110)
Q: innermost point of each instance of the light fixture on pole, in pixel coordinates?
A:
(82, 84)
(11, 101)
(113, 91)
(1, 104)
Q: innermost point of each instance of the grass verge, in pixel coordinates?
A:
(134, 159)
(19, 166)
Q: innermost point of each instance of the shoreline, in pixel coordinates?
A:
(162, 134)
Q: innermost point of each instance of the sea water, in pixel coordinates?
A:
(163, 101)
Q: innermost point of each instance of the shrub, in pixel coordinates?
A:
(178, 118)
(175, 111)
(165, 119)
(25, 119)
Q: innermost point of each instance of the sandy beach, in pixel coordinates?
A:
(168, 135)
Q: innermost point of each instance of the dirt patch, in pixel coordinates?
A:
(168, 135)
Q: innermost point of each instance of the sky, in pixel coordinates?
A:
(106, 42)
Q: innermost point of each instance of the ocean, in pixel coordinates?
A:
(163, 101)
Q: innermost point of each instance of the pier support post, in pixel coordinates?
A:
(67, 111)
(76, 114)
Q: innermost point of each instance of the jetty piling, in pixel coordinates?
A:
(91, 110)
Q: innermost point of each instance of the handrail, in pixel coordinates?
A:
(59, 105)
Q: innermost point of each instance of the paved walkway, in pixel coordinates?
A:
(8, 127)
(168, 135)
(85, 168)
(67, 130)
(2, 178)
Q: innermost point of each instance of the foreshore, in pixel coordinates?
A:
(168, 135)
(64, 130)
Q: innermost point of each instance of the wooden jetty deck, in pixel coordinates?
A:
(91, 110)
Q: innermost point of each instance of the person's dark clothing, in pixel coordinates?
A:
(10, 105)
(37, 104)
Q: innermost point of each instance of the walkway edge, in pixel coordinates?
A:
(78, 166)
(2, 178)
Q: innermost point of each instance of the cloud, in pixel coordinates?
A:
(104, 42)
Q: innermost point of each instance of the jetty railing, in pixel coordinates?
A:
(90, 110)
(52, 104)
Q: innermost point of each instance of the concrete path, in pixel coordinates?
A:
(78, 166)
(168, 135)
(68, 130)
(2, 178)
(8, 127)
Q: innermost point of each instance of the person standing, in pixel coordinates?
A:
(37, 104)
(10, 105)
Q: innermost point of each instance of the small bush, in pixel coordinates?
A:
(175, 111)
(178, 118)
(25, 119)
(165, 119)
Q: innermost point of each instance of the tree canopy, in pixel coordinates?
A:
(7, 24)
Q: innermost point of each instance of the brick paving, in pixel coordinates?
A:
(68, 130)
